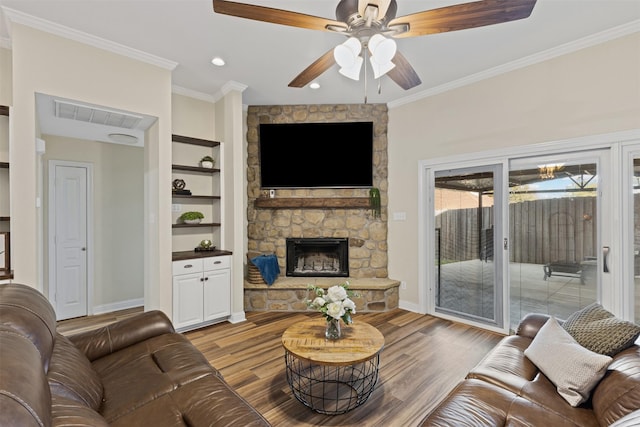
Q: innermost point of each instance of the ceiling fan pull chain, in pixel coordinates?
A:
(365, 73)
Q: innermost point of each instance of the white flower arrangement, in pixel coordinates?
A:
(335, 303)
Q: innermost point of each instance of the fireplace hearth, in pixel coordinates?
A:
(317, 257)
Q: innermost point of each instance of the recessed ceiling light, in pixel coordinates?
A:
(123, 138)
(217, 61)
(315, 85)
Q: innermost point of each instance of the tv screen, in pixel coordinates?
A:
(316, 155)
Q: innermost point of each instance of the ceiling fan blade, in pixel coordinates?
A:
(403, 73)
(320, 65)
(463, 16)
(276, 16)
(382, 5)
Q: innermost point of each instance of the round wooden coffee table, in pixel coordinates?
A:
(332, 376)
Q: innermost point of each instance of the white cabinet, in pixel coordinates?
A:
(201, 291)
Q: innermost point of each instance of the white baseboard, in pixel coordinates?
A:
(237, 317)
(409, 306)
(115, 306)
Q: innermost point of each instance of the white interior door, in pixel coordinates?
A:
(69, 226)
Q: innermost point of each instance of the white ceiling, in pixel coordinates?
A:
(266, 57)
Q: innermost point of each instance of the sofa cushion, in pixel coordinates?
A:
(67, 412)
(472, 403)
(599, 330)
(208, 401)
(506, 365)
(25, 399)
(138, 374)
(574, 369)
(72, 376)
(618, 393)
(630, 420)
(28, 311)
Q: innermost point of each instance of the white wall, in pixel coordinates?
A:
(592, 91)
(118, 207)
(5, 77)
(44, 63)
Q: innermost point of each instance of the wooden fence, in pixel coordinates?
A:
(540, 231)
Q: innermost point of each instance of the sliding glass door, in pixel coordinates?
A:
(467, 270)
(557, 244)
(533, 238)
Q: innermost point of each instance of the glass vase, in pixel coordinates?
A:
(332, 331)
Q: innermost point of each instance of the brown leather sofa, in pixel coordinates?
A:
(507, 389)
(136, 372)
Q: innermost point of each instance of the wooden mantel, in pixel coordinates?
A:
(313, 203)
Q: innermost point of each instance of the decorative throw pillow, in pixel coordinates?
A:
(599, 330)
(573, 369)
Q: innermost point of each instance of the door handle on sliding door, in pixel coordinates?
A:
(605, 255)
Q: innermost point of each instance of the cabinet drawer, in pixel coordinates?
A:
(217, 263)
(187, 266)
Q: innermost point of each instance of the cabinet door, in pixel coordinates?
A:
(187, 300)
(217, 294)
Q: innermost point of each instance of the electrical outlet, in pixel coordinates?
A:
(403, 285)
(176, 207)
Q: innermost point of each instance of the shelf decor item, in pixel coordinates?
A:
(179, 187)
(205, 246)
(192, 217)
(374, 200)
(207, 162)
(334, 304)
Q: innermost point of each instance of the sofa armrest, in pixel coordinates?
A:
(116, 336)
(531, 324)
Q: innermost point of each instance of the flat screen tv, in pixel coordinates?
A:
(316, 155)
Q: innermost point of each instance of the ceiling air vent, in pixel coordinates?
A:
(101, 116)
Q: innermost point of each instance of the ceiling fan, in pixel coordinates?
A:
(369, 23)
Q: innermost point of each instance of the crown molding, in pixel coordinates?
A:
(194, 94)
(14, 16)
(564, 49)
(231, 86)
(226, 88)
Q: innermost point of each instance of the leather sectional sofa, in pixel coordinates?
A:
(136, 372)
(507, 389)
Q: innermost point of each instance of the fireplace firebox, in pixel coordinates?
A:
(317, 257)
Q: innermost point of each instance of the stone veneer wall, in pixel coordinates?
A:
(269, 228)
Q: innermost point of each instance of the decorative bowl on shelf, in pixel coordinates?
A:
(191, 217)
(207, 162)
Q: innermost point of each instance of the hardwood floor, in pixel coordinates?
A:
(423, 358)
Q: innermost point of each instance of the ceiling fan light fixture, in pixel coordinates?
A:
(382, 52)
(353, 72)
(346, 53)
(380, 70)
(382, 49)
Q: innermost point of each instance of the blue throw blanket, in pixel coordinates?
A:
(268, 266)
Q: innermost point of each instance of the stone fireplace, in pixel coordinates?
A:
(328, 213)
(317, 257)
(269, 227)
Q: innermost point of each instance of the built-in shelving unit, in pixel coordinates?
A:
(313, 203)
(190, 150)
(4, 167)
